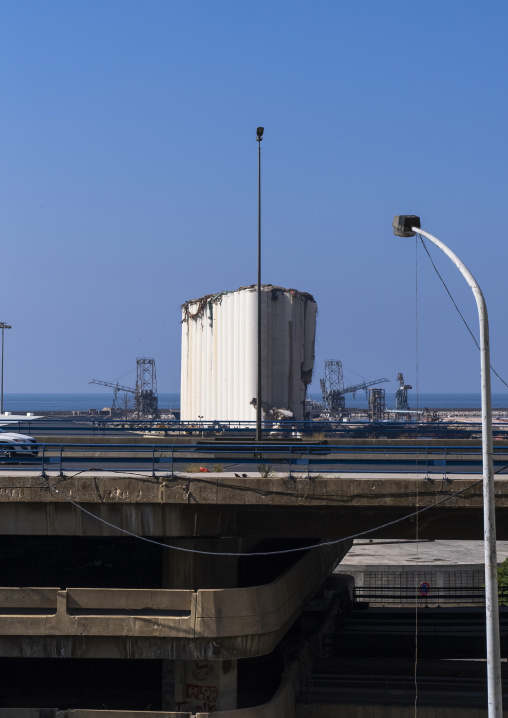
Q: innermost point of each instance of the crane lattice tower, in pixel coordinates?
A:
(332, 386)
(146, 387)
(333, 389)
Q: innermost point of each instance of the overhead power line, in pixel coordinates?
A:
(299, 549)
(456, 307)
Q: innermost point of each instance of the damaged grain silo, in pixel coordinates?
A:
(219, 354)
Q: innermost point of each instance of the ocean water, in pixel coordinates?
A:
(73, 402)
(82, 402)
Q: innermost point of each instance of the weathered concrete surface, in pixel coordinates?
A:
(83, 713)
(453, 554)
(282, 705)
(126, 623)
(332, 710)
(374, 489)
(224, 505)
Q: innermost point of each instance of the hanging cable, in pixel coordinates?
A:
(333, 542)
(456, 307)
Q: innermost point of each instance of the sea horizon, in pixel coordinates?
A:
(68, 401)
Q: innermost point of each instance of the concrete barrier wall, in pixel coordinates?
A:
(330, 710)
(26, 598)
(82, 713)
(95, 599)
(282, 705)
(266, 610)
(263, 609)
(129, 599)
(46, 621)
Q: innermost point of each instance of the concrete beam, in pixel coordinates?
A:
(221, 505)
(349, 489)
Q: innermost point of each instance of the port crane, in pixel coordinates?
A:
(401, 393)
(117, 389)
(145, 391)
(333, 390)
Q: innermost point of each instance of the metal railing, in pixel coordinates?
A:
(318, 429)
(264, 459)
(425, 595)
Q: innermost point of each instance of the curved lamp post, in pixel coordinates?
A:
(408, 226)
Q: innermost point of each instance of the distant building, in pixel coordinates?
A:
(219, 354)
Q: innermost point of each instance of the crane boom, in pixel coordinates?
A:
(356, 387)
(113, 385)
(333, 389)
(145, 391)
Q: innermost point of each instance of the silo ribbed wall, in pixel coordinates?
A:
(219, 353)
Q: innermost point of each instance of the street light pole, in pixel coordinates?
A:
(408, 226)
(3, 326)
(259, 137)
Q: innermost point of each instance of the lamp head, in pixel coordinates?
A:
(259, 133)
(402, 224)
(3, 325)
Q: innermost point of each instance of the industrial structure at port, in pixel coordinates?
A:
(145, 391)
(219, 354)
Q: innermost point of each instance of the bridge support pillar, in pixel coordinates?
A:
(199, 686)
(187, 570)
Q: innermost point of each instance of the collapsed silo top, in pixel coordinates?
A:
(210, 299)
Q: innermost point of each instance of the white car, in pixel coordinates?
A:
(21, 444)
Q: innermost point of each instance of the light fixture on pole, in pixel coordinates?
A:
(409, 226)
(3, 326)
(259, 137)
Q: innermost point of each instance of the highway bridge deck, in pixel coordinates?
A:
(222, 504)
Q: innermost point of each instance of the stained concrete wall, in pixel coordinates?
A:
(330, 710)
(282, 705)
(331, 506)
(213, 624)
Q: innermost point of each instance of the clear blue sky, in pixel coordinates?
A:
(129, 178)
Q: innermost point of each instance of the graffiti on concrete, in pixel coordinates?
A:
(200, 699)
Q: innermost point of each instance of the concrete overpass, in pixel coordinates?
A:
(193, 612)
(218, 505)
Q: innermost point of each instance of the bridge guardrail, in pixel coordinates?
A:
(425, 595)
(265, 459)
(104, 427)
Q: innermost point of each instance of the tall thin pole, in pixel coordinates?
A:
(2, 383)
(495, 699)
(3, 326)
(259, 435)
(404, 227)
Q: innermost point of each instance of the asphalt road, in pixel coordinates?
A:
(192, 460)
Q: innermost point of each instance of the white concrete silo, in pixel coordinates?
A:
(219, 353)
